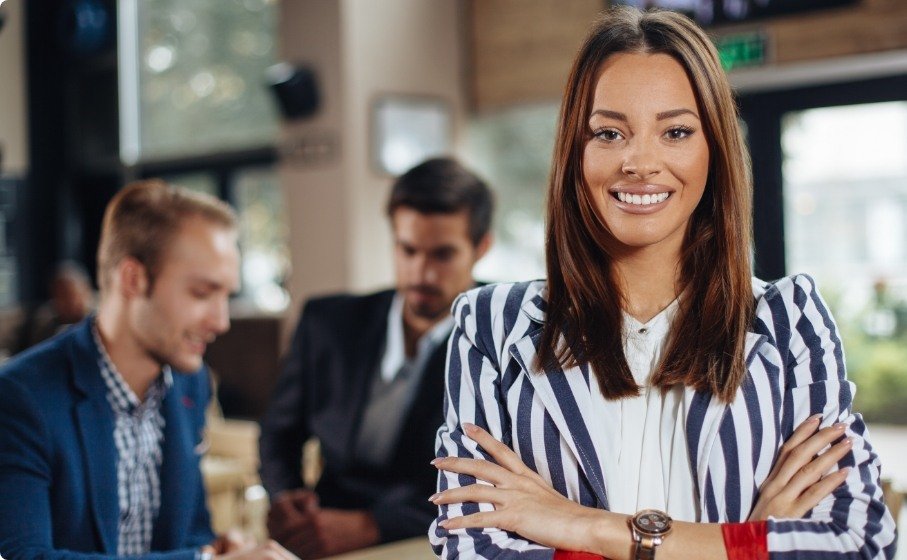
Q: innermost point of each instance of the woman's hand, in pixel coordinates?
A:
(524, 502)
(796, 483)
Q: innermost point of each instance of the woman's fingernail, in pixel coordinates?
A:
(469, 428)
(814, 418)
(435, 461)
(442, 524)
(848, 442)
(434, 497)
(840, 426)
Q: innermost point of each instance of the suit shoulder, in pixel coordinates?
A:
(787, 291)
(345, 304)
(490, 315)
(506, 298)
(40, 367)
(39, 380)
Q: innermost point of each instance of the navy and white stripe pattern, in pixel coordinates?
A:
(138, 434)
(795, 366)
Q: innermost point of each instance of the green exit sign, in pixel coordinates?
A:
(741, 50)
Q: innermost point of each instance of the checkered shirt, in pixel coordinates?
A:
(138, 434)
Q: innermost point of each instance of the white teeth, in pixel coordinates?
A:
(642, 200)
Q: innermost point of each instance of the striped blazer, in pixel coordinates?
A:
(795, 366)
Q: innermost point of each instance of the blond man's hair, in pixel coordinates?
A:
(141, 220)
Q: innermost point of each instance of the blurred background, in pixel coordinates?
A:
(95, 93)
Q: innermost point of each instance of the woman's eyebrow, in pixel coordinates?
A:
(674, 113)
(660, 116)
(609, 114)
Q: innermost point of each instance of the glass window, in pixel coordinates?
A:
(512, 150)
(264, 238)
(199, 182)
(192, 76)
(845, 223)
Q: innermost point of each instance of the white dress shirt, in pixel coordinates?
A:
(642, 441)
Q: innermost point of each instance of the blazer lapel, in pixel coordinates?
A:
(567, 398)
(95, 425)
(366, 350)
(178, 470)
(705, 415)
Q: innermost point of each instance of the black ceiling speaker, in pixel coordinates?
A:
(294, 88)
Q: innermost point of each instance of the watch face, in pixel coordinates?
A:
(652, 522)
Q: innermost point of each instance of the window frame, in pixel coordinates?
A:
(762, 112)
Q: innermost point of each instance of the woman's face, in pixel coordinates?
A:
(648, 160)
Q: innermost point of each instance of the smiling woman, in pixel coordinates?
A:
(647, 166)
(652, 396)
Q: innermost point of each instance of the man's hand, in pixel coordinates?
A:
(334, 531)
(290, 512)
(298, 522)
(231, 541)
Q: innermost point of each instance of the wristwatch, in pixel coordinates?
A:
(649, 528)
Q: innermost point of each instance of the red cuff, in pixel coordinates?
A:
(745, 541)
(571, 555)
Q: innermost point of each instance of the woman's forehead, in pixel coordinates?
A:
(641, 80)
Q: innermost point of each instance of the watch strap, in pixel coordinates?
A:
(645, 549)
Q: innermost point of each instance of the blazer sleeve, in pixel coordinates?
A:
(472, 395)
(401, 513)
(285, 428)
(25, 480)
(853, 521)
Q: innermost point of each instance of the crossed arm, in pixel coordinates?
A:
(807, 513)
(526, 504)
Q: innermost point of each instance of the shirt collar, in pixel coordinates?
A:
(394, 358)
(121, 396)
(657, 326)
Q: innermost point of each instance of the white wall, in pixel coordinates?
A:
(361, 49)
(13, 137)
(309, 33)
(410, 47)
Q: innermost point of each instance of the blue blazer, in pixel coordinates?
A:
(795, 368)
(58, 481)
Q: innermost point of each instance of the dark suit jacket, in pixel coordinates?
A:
(58, 481)
(323, 391)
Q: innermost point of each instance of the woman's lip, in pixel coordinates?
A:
(640, 189)
(641, 208)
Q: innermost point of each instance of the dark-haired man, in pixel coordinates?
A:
(365, 375)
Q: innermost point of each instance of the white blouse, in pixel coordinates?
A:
(643, 443)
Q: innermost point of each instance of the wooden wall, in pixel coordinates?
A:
(521, 50)
(866, 27)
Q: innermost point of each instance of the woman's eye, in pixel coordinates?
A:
(608, 135)
(679, 133)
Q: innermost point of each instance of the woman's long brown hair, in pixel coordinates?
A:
(584, 317)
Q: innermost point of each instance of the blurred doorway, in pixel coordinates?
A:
(830, 171)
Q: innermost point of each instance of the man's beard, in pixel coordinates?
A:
(426, 309)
